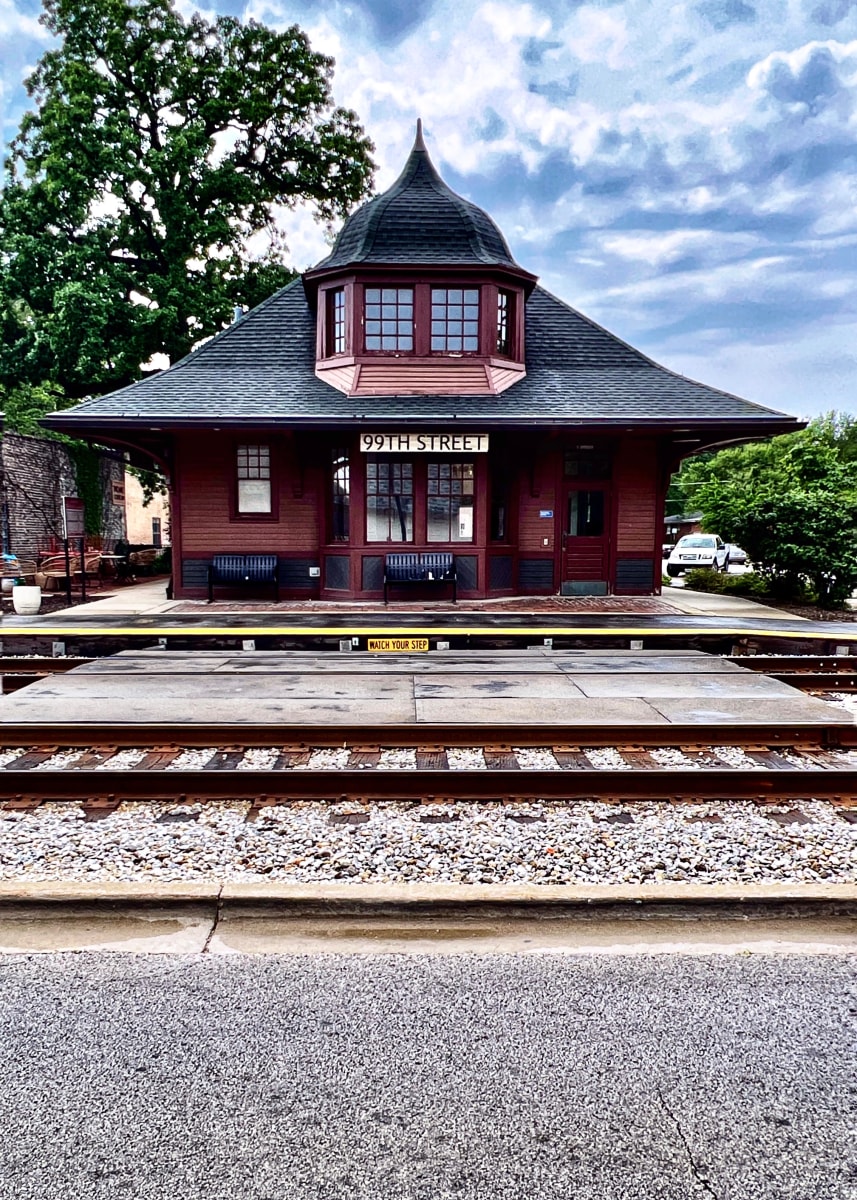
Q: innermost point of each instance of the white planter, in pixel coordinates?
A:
(26, 600)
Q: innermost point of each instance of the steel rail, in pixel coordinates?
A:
(187, 786)
(193, 736)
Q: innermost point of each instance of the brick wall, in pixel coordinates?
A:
(36, 474)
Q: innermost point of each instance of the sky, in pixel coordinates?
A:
(682, 171)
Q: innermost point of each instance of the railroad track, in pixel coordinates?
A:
(810, 673)
(108, 766)
(806, 672)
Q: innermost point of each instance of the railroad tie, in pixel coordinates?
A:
(500, 758)
(432, 758)
(362, 758)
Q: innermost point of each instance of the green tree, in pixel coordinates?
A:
(791, 502)
(158, 148)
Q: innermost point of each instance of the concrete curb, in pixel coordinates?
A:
(274, 899)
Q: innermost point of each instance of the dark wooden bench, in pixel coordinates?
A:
(234, 570)
(429, 567)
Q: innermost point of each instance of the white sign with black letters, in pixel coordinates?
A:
(424, 443)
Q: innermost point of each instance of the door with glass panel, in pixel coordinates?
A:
(586, 536)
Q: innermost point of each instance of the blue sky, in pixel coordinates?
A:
(683, 171)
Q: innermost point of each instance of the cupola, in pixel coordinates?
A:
(420, 294)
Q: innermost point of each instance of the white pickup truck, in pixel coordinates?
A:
(698, 550)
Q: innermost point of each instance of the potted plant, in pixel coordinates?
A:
(26, 599)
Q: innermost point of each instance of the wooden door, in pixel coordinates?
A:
(586, 535)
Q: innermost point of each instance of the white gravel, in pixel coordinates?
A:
(466, 758)
(734, 756)
(483, 843)
(608, 759)
(258, 759)
(536, 758)
(398, 760)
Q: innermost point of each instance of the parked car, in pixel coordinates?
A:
(698, 550)
(736, 554)
(667, 549)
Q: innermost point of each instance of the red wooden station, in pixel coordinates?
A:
(418, 391)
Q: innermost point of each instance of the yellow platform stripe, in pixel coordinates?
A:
(436, 631)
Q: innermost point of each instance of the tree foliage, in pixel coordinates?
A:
(791, 502)
(159, 150)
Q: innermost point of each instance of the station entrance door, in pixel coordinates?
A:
(586, 540)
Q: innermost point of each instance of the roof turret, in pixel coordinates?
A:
(420, 220)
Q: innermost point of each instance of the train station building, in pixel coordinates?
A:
(417, 391)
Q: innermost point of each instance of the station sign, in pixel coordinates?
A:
(424, 443)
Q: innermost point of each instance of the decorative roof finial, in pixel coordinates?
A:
(419, 144)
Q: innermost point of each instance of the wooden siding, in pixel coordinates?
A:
(402, 378)
(340, 377)
(636, 493)
(205, 476)
(503, 377)
(537, 493)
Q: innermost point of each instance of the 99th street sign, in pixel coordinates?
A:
(424, 443)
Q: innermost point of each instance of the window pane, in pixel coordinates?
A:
(389, 501)
(455, 319)
(336, 321)
(389, 312)
(341, 494)
(449, 509)
(254, 495)
(586, 514)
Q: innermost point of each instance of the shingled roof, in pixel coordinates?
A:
(262, 370)
(420, 220)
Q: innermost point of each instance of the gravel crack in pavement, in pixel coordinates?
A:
(698, 1176)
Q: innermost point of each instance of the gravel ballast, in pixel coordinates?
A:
(523, 843)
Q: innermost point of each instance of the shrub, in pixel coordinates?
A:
(703, 579)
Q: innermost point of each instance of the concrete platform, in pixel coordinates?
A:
(559, 688)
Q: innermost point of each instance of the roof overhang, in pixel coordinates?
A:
(695, 435)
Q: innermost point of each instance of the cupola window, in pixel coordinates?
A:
(455, 319)
(336, 321)
(505, 309)
(389, 317)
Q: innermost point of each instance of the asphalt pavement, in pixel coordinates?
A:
(508, 1077)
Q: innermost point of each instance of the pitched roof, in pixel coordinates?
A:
(262, 370)
(419, 220)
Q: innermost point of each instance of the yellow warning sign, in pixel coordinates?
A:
(399, 645)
